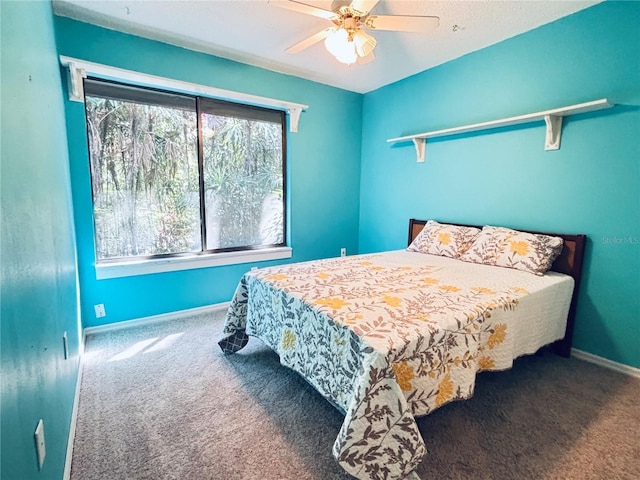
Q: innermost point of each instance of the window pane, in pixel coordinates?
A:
(243, 179)
(144, 173)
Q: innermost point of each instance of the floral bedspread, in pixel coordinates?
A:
(386, 337)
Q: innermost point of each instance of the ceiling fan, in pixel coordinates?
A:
(347, 39)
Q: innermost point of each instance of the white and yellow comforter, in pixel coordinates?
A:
(389, 336)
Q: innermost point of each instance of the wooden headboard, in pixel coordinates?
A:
(568, 262)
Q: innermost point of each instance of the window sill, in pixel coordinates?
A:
(144, 267)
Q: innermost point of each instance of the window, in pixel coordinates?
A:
(176, 174)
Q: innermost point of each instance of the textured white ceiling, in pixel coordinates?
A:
(257, 32)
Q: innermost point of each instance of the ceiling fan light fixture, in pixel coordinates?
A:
(341, 47)
(348, 57)
(364, 42)
(347, 39)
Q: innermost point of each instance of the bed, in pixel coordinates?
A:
(389, 336)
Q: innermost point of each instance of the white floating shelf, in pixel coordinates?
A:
(78, 70)
(553, 119)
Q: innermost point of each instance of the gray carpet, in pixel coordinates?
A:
(162, 402)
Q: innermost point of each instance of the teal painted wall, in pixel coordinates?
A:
(323, 170)
(39, 295)
(591, 185)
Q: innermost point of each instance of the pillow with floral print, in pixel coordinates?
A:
(444, 239)
(504, 247)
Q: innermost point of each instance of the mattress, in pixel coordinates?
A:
(386, 337)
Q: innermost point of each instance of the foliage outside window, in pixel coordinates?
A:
(174, 174)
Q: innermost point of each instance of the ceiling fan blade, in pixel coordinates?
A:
(402, 23)
(304, 8)
(307, 42)
(366, 59)
(363, 6)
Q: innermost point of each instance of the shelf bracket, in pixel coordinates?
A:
(294, 118)
(420, 144)
(75, 75)
(554, 132)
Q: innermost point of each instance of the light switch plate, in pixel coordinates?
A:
(40, 448)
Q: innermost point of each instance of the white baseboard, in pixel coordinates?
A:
(74, 418)
(163, 317)
(603, 362)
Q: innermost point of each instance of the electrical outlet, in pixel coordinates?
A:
(40, 450)
(343, 252)
(100, 311)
